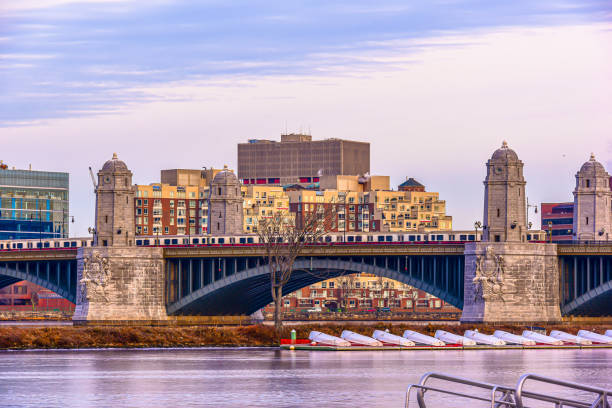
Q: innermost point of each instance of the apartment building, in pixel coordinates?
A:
(363, 292)
(410, 211)
(263, 201)
(178, 205)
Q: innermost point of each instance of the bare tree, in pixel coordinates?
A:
(346, 284)
(284, 237)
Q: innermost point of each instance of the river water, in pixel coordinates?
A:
(256, 377)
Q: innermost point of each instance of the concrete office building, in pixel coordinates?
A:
(299, 159)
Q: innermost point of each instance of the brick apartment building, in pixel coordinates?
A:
(361, 293)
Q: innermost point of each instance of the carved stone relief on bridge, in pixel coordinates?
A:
(95, 279)
(489, 276)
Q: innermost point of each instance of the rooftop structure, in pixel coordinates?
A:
(299, 159)
(411, 185)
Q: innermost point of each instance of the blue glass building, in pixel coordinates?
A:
(33, 204)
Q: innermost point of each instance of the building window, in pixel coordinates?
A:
(498, 212)
(587, 220)
(497, 238)
(588, 183)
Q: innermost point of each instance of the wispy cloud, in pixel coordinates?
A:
(97, 46)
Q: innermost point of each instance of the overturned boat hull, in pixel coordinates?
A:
(422, 338)
(542, 338)
(323, 338)
(594, 337)
(484, 338)
(360, 339)
(570, 338)
(513, 338)
(451, 338)
(389, 338)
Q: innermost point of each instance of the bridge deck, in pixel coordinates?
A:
(38, 255)
(316, 250)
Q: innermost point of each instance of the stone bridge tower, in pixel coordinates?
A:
(114, 205)
(507, 279)
(592, 203)
(117, 281)
(226, 213)
(505, 217)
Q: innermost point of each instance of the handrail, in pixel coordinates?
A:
(494, 388)
(421, 388)
(510, 397)
(600, 402)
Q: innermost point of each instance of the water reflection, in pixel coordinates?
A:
(265, 377)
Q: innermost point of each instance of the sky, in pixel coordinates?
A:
(435, 86)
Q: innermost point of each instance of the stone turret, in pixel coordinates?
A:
(226, 202)
(114, 205)
(592, 202)
(509, 280)
(505, 214)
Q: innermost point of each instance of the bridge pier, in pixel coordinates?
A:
(511, 282)
(120, 284)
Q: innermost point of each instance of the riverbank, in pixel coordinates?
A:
(62, 337)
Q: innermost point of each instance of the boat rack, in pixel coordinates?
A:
(498, 396)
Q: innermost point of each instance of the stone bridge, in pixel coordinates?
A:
(234, 279)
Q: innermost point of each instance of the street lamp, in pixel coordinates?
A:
(534, 206)
(550, 231)
(93, 232)
(477, 225)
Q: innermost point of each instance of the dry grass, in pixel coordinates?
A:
(224, 336)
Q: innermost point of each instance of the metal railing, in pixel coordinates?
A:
(600, 395)
(498, 396)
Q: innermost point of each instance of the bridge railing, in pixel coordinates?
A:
(499, 396)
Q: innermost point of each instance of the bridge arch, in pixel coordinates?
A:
(249, 290)
(595, 302)
(57, 276)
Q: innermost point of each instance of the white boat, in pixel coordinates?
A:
(541, 338)
(453, 338)
(323, 338)
(484, 338)
(609, 333)
(389, 338)
(422, 338)
(513, 338)
(594, 337)
(360, 339)
(569, 338)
